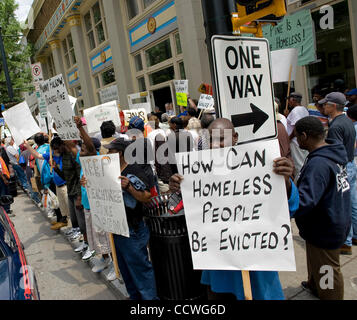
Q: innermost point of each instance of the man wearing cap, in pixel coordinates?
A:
(298, 112)
(342, 129)
(351, 97)
(132, 253)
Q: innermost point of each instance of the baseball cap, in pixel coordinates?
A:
(334, 97)
(296, 95)
(353, 92)
(118, 144)
(137, 123)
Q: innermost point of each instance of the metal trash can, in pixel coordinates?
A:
(170, 253)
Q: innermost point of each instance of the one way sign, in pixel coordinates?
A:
(244, 86)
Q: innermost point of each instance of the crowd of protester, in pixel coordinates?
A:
(318, 150)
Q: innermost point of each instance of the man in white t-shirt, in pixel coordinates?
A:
(298, 112)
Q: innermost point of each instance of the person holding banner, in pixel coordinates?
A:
(228, 284)
(132, 254)
(324, 213)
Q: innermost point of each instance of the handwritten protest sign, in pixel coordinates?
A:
(206, 102)
(72, 101)
(21, 122)
(109, 94)
(105, 193)
(141, 113)
(181, 87)
(282, 61)
(294, 31)
(97, 115)
(58, 104)
(236, 208)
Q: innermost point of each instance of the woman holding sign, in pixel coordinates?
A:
(226, 284)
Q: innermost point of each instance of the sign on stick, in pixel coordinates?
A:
(105, 193)
(244, 86)
(236, 208)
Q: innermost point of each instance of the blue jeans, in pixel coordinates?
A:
(352, 176)
(21, 176)
(134, 264)
(4, 191)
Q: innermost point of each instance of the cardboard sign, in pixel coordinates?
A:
(294, 31)
(73, 102)
(281, 61)
(141, 113)
(105, 193)
(21, 122)
(32, 101)
(206, 102)
(97, 115)
(181, 88)
(58, 104)
(236, 209)
(244, 86)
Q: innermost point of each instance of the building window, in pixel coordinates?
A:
(147, 3)
(104, 79)
(142, 85)
(138, 62)
(108, 77)
(182, 70)
(68, 50)
(178, 43)
(132, 7)
(158, 53)
(163, 75)
(94, 22)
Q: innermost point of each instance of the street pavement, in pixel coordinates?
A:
(60, 273)
(291, 281)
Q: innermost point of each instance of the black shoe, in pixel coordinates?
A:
(305, 285)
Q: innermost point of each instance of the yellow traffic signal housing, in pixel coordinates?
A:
(251, 11)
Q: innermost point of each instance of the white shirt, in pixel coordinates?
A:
(284, 121)
(294, 116)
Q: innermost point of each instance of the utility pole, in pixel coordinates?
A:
(6, 69)
(217, 20)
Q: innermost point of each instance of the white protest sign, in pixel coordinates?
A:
(236, 208)
(109, 94)
(206, 102)
(58, 104)
(42, 105)
(20, 122)
(140, 100)
(244, 86)
(281, 61)
(72, 101)
(97, 115)
(32, 101)
(141, 113)
(181, 86)
(105, 193)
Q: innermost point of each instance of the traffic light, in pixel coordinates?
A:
(260, 10)
(256, 13)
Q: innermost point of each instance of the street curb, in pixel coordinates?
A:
(116, 286)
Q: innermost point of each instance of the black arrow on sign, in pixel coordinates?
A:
(257, 117)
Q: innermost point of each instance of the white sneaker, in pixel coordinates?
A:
(76, 236)
(89, 254)
(83, 246)
(111, 276)
(50, 214)
(101, 264)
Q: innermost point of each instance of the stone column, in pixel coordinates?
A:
(74, 22)
(57, 58)
(120, 50)
(193, 36)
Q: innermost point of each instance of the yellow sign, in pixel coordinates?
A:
(181, 99)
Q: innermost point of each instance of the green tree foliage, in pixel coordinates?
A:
(17, 54)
